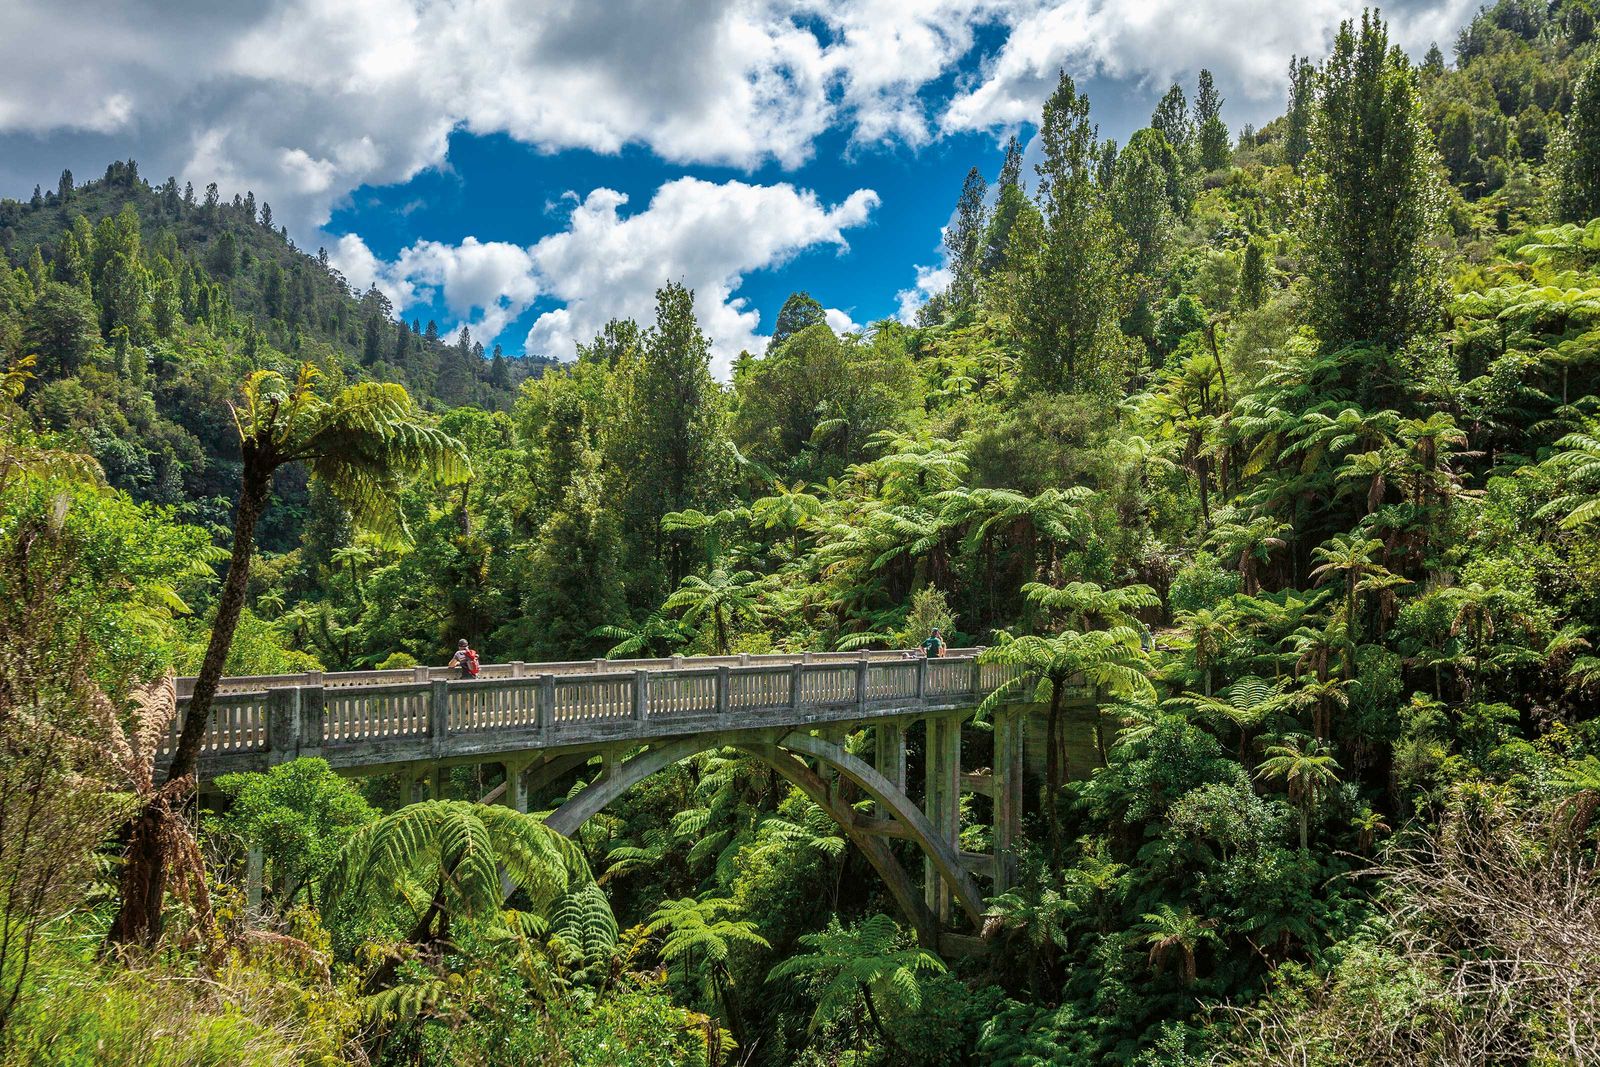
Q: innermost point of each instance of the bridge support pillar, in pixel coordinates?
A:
(942, 800)
(890, 738)
(408, 781)
(1007, 793)
(516, 786)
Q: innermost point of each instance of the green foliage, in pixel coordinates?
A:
(1069, 265)
(1373, 211)
(1195, 433)
(1575, 159)
(440, 862)
(582, 919)
(866, 963)
(799, 312)
(258, 1010)
(362, 442)
(299, 815)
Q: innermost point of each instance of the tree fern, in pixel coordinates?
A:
(866, 961)
(406, 1001)
(692, 928)
(583, 921)
(443, 859)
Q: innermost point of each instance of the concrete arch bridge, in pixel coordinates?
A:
(541, 721)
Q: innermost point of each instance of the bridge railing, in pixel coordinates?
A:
(247, 683)
(382, 713)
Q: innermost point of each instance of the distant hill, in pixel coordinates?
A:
(145, 307)
(287, 295)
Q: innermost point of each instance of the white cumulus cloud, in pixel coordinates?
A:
(840, 321)
(1149, 43)
(929, 282)
(608, 263)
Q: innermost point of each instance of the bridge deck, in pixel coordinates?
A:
(367, 721)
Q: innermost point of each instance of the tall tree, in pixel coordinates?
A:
(1070, 284)
(1575, 157)
(1171, 117)
(1010, 201)
(1141, 207)
(675, 447)
(1374, 201)
(70, 266)
(361, 442)
(1254, 276)
(964, 240)
(798, 312)
(1211, 132)
(577, 554)
(1302, 100)
(1139, 201)
(60, 327)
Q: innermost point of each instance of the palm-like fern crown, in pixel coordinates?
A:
(867, 956)
(362, 441)
(1308, 772)
(583, 921)
(719, 591)
(1579, 460)
(693, 926)
(456, 850)
(1111, 659)
(1086, 602)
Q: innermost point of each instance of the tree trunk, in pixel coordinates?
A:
(877, 1023)
(421, 934)
(144, 872)
(1054, 771)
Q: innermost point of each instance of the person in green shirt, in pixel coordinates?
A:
(934, 645)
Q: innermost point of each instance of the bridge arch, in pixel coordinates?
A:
(786, 755)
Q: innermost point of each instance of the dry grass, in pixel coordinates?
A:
(1491, 955)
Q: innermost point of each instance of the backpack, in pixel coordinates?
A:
(472, 663)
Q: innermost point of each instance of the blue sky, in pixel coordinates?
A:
(532, 170)
(497, 187)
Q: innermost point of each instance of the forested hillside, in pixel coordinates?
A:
(146, 306)
(1286, 439)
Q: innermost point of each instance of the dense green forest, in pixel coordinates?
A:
(1288, 438)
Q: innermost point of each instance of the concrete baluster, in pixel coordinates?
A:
(283, 727)
(641, 695)
(312, 730)
(544, 704)
(439, 716)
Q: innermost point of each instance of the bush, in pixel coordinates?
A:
(1202, 584)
